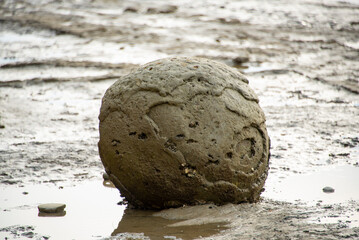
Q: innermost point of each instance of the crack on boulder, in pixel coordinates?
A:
(149, 89)
(153, 125)
(248, 148)
(234, 111)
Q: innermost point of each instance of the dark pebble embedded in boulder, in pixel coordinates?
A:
(105, 176)
(328, 190)
(184, 131)
(51, 208)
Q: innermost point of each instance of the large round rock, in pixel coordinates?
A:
(184, 131)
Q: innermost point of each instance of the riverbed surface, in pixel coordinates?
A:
(57, 58)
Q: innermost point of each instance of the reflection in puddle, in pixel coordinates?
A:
(60, 214)
(137, 221)
(4, 61)
(309, 187)
(92, 212)
(158, 228)
(9, 37)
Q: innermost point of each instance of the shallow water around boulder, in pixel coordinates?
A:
(92, 212)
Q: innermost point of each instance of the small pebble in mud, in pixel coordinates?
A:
(51, 208)
(162, 9)
(328, 190)
(240, 60)
(184, 131)
(131, 9)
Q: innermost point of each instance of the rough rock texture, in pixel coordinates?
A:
(184, 131)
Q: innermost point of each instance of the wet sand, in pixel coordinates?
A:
(57, 59)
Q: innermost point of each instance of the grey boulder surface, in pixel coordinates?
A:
(184, 131)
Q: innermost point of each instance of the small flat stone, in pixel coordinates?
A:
(241, 59)
(51, 207)
(131, 9)
(328, 190)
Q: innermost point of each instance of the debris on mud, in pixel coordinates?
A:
(23, 232)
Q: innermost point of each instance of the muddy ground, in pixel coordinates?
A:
(57, 58)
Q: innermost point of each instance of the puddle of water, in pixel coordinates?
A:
(308, 188)
(8, 37)
(38, 72)
(91, 210)
(91, 213)
(4, 61)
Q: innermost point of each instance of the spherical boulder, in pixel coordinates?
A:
(184, 131)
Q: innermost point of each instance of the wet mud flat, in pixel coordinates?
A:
(57, 59)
